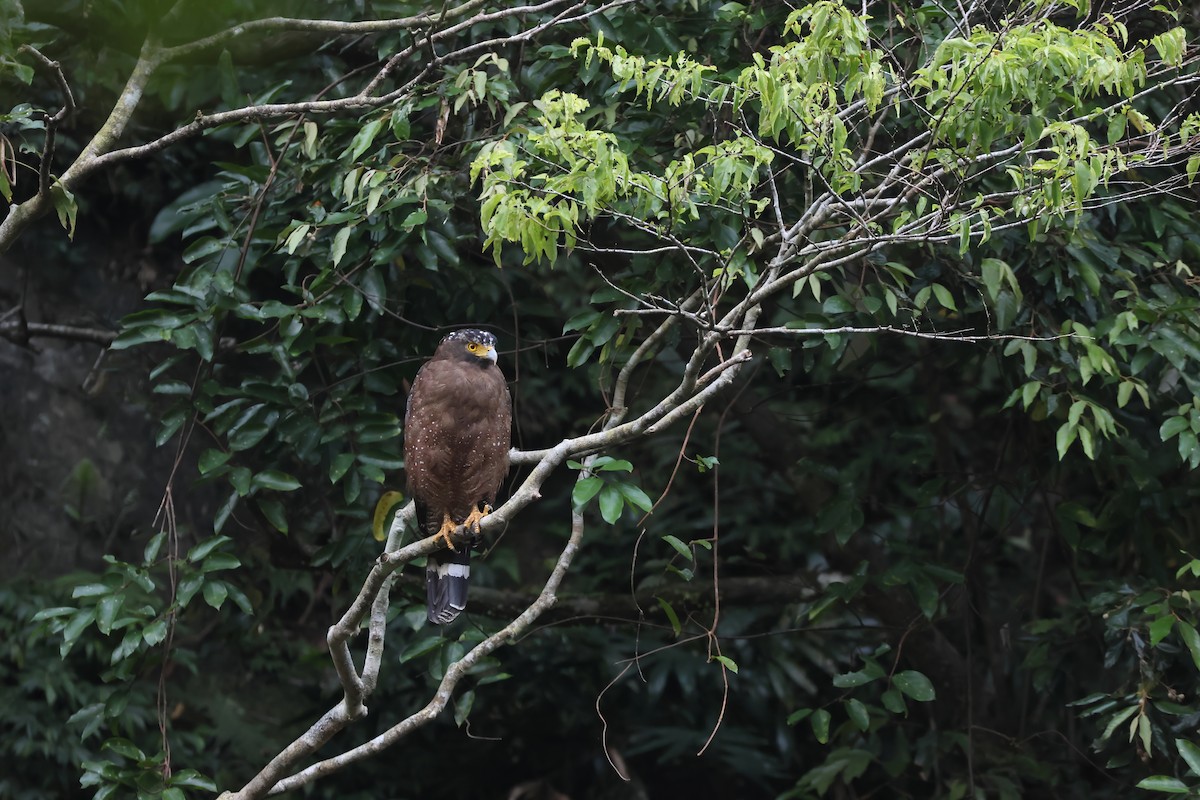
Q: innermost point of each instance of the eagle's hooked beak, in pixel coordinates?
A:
(491, 355)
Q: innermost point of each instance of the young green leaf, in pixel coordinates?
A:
(915, 685)
(679, 546)
(820, 725)
(611, 504)
(671, 615)
(1163, 783)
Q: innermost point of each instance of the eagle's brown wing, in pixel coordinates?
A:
(456, 440)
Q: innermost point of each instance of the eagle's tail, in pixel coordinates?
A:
(447, 573)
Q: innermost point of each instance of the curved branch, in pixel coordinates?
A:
(456, 672)
(329, 26)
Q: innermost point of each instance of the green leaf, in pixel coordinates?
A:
(858, 714)
(922, 298)
(893, 701)
(915, 685)
(462, 706)
(611, 504)
(849, 680)
(222, 515)
(191, 779)
(635, 496)
(993, 274)
(188, 587)
(1191, 639)
(420, 647)
(799, 715)
(606, 464)
(414, 219)
(1160, 628)
(944, 297)
(671, 615)
(341, 463)
(211, 459)
(1029, 393)
(1190, 754)
(125, 748)
(64, 204)
(150, 553)
(272, 509)
(155, 632)
(340, 239)
(240, 599)
(375, 290)
(91, 590)
(52, 613)
(275, 480)
(1124, 392)
(295, 238)
(1116, 128)
(1172, 427)
(727, 662)
(820, 725)
(1117, 719)
(1163, 783)
(128, 646)
(215, 593)
(248, 435)
(91, 716)
(204, 247)
(202, 550)
(585, 489)
(1064, 438)
(106, 612)
(679, 546)
(220, 561)
(171, 423)
(140, 335)
(579, 352)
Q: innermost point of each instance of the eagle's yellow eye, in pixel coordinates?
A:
(474, 347)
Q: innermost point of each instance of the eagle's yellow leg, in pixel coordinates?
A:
(447, 528)
(473, 519)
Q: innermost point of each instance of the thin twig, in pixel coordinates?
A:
(52, 122)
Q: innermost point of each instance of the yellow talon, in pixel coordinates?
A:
(473, 519)
(447, 528)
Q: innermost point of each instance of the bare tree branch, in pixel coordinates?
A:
(328, 26)
(52, 122)
(19, 330)
(99, 152)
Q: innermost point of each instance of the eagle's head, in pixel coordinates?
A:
(470, 343)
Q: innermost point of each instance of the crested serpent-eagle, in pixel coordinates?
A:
(457, 431)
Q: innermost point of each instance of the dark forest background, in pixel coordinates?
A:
(945, 569)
